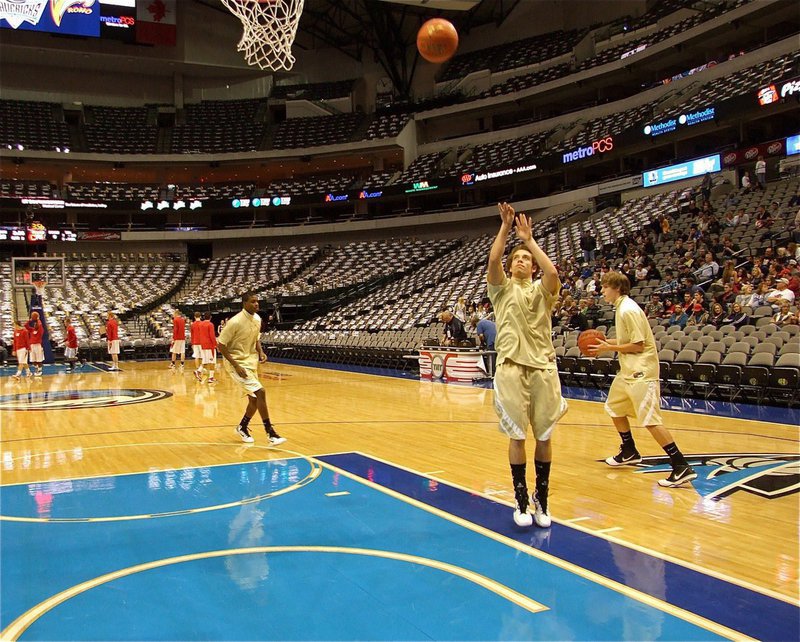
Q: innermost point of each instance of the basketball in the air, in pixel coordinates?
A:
(437, 40)
(587, 339)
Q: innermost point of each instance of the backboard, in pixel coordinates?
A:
(27, 270)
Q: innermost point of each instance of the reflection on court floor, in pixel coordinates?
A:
(339, 547)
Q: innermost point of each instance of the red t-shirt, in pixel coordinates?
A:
(194, 330)
(72, 338)
(21, 339)
(208, 338)
(35, 331)
(179, 329)
(112, 332)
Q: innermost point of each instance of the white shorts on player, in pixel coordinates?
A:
(113, 347)
(250, 384)
(197, 351)
(70, 353)
(209, 357)
(178, 347)
(37, 353)
(22, 357)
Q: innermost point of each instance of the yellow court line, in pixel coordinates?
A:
(637, 547)
(19, 626)
(339, 494)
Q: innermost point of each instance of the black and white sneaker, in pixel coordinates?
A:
(521, 515)
(275, 439)
(244, 433)
(679, 475)
(541, 515)
(623, 458)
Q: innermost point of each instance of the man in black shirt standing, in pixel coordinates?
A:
(454, 332)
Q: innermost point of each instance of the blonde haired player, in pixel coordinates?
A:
(240, 345)
(636, 390)
(22, 342)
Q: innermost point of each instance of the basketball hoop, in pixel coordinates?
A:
(39, 286)
(270, 27)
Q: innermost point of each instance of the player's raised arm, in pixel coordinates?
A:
(495, 272)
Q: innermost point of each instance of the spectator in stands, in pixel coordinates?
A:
(785, 316)
(591, 311)
(669, 308)
(666, 227)
(729, 248)
(736, 317)
(527, 390)
(705, 187)
(717, 316)
(780, 294)
(742, 217)
(795, 200)
(690, 285)
(576, 319)
(746, 183)
(698, 316)
(763, 218)
(761, 173)
(709, 270)
(654, 308)
(454, 331)
(642, 272)
(794, 278)
(670, 283)
(460, 311)
(728, 220)
(678, 250)
(678, 317)
(588, 244)
(726, 297)
(745, 296)
(592, 286)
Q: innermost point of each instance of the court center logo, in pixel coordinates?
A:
(77, 399)
(768, 475)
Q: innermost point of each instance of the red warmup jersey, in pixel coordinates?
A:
(72, 338)
(35, 332)
(21, 339)
(179, 329)
(112, 332)
(194, 330)
(208, 337)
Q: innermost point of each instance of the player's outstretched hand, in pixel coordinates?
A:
(506, 213)
(523, 227)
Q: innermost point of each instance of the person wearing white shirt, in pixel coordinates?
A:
(761, 172)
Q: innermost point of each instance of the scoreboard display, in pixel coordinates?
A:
(113, 19)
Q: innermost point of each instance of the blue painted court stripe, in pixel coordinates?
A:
(738, 608)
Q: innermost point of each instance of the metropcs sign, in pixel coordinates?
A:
(597, 147)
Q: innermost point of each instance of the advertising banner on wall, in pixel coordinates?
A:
(99, 236)
(681, 171)
(68, 17)
(751, 154)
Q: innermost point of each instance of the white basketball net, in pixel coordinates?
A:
(269, 31)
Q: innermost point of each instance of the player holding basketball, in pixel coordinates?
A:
(197, 349)
(636, 390)
(70, 345)
(527, 389)
(240, 345)
(21, 345)
(178, 339)
(112, 340)
(36, 351)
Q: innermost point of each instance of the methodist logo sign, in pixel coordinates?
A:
(690, 169)
(597, 147)
(684, 120)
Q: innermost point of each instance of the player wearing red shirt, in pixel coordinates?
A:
(208, 345)
(22, 344)
(71, 345)
(178, 346)
(112, 339)
(36, 352)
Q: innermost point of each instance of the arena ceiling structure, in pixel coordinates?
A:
(386, 29)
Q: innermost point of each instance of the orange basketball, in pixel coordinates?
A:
(437, 40)
(588, 338)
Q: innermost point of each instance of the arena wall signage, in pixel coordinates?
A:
(336, 198)
(751, 154)
(36, 232)
(793, 145)
(163, 205)
(420, 186)
(365, 194)
(681, 171)
(470, 178)
(274, 201)
(600, 146)
(77, 18)
(684, 120)
(777, 91)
